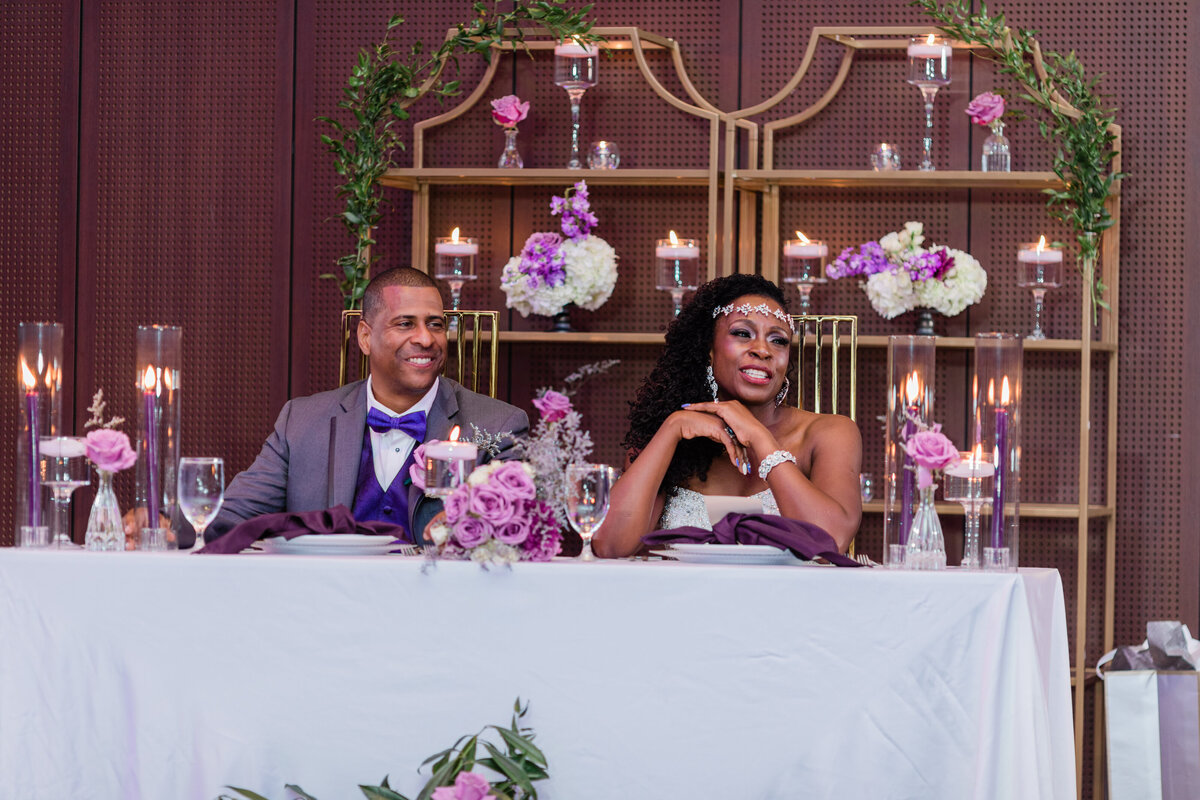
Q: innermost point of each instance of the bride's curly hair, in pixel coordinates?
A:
(680, 376)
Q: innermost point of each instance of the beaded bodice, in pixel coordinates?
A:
(686, 509)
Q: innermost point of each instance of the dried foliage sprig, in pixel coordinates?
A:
(1080, 125)
(97, 408)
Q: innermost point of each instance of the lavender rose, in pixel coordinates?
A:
(492, 504)
(553, 405)
(930, 450)
(470, 532)
(455, 505)
(986, 108)
(109, 450)
(507, 111)
(515, 481)
(515, 531)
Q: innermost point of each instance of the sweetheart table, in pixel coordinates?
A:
(142, 675)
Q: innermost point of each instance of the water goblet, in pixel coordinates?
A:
(201, 492)
(928, 70)
(575, 65)
(588, 487)
(677, 267)
(63, 467)
(969, 483)
(1039, 269)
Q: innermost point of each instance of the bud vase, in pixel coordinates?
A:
(997, 155)
(104, 529)
(510, 158)
(926, 545)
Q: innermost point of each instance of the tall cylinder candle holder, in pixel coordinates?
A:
(159, 357)
(996, 430)
(39, 380)
(910, 404)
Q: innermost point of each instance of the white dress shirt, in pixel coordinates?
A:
(390, 449)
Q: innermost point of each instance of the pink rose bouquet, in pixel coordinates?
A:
(986, 108)
(496, 518)
(109, 450)
(508, 111)
(930, 449)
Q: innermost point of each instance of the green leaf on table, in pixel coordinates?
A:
(380, 793)
(303, 794)
(508, 768)
(523, 745)
(247, 793)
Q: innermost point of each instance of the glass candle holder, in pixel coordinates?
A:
(969, 483)
(39, 382)
(454, 263)
(910, 402)
(996, 430)
(604, 155)
(575, 70)
(159, 359)
(885, 158)
(928, 70)
(804, 266)
(447, 465)
(677, 267)
(1039, 267)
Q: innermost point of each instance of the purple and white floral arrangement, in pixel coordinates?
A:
(898, 274)
(554, 270)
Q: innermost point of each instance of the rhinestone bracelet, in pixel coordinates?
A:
(772, 461)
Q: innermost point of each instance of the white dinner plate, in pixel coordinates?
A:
(730, 554)
(344, 544)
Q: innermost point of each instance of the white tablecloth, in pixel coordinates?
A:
(166, 676)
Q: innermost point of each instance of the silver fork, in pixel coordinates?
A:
(864, 559)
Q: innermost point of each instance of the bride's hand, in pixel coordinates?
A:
(695, 422)
(744, 427)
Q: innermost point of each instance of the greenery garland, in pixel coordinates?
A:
(1080, 127)
(384, 82)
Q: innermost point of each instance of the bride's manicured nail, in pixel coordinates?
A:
(685, 405)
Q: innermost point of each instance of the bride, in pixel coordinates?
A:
(711, 420)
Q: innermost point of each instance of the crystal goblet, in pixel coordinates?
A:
(201, 493)
(588, 487)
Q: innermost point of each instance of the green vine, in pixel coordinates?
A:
(384, 82)
(1079, 127)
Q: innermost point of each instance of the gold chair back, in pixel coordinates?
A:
(827, 350)
(474, 338)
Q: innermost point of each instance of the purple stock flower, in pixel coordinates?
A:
(544, 541)
(542, 260)
(930, 266)
(869, 260)
(577, 218)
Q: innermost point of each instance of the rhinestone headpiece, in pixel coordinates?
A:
(761, 308)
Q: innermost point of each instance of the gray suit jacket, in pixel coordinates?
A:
(310, 461)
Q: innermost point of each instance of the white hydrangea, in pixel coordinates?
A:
(591, 274)
(891, 293)
(912, 235)
(962, 286)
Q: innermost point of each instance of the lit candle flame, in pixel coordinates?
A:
(977, 455)
(149, 382)
(454, 236)
(803, 239)
(991, 392)
(1041, 244)
(27, 377)
(1004, 394)
(913, 388)
(930, 39)
(674, 239)
(454, 433)
(168, 380)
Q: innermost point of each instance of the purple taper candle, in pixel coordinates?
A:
(1001, 459)
(907, 478)
(35, 486)
(151, 451)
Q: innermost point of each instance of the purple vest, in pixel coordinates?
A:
(371, 502)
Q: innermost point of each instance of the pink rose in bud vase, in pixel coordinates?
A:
(109, 450)
(507, 111)
(930, 450)
(553, 405)
(986, 108)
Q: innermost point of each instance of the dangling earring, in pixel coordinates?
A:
(783, 393)
(712, 383)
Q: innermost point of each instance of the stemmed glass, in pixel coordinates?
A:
(928, 70)
(201, 492)
(677, 267)
(455, 264)
(63, 468)
(588, 487)
(969, 483)
(1040, 268)
(575, 67)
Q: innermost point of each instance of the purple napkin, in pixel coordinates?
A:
(804, 539)
(290, 524)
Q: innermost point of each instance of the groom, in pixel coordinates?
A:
(353, 446)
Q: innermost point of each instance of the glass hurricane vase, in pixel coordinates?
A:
(104, 529)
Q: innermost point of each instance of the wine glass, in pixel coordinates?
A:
(588, 487)
(928, 70)
(63, 467)
(201, 492)
(575, 65)
(1040, 268)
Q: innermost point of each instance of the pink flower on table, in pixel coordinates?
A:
(515, 531)
(471, 532)
(553, 405)
(986, 108)
(930, 450)
(455, 505)
(507, 111)
(109, 450)
(417, 471)
(515, 481)
(467, 786)
(491, 503)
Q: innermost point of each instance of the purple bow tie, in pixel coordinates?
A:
(413, 424)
